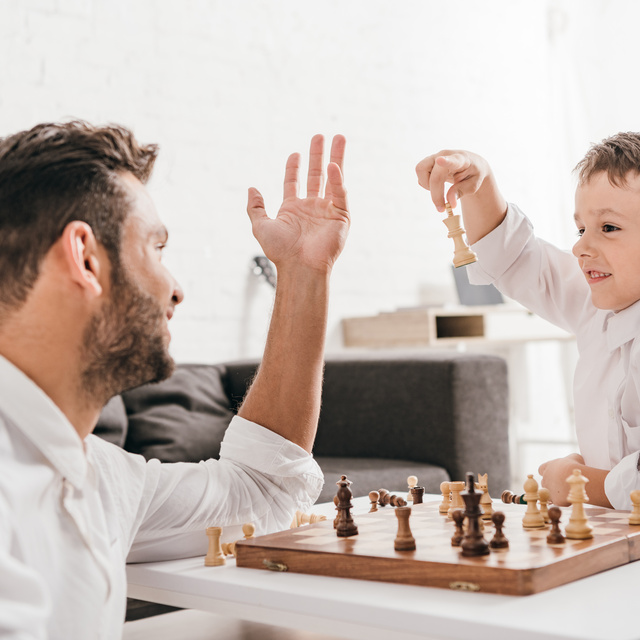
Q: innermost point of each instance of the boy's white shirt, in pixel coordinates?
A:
(72, 512)
(549, 282)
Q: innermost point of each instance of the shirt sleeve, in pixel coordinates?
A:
(260, 477)
(543, 278)
(621, 481)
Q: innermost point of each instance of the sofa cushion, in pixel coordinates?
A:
(371, 474)
(182, 419)
(112, 425)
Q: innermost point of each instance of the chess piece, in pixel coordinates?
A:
(634, 517)
(249, 530)
(404, 540)
(392, 499)
(486, 503)
(446, 498)
(214, 557)
(416, 495)
(346, 526)
(335, 520)
(578, 527)
(373, 501)
(456, 500)
(462, 254)
(532, 517)
(458, 518)
(544, 495)
(512, 498)
(555, 535)
(228, 548)
(473, 544)
(412, 481)
(305, 518)
(499, 540)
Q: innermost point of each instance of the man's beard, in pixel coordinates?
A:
(123, 345)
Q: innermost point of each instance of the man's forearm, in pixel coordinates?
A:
(286, 393)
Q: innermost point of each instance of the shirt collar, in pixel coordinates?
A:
(621, 327)
(33, 412)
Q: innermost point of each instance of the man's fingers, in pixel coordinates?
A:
(291, 176)
(338, 146)
(255, 205)
(315, 178)
(336, 186)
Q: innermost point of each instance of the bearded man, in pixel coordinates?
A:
(85, 302)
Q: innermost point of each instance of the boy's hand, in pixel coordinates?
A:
(465, 171)
(470, 176)
(554, 477)
(307, 232)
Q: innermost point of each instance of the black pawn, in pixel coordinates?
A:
(555, 535)
(458, 518)
(473, 544)
(499, 541)
(346, 526)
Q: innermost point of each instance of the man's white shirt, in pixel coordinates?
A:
(549, 282)
(72, 512)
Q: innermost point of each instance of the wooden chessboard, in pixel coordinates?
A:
(529, 566)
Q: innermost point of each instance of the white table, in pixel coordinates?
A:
(596, 608)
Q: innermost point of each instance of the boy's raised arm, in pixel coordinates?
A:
(303, 242)
(470, 176)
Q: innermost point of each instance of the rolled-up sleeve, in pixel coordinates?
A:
(621, 481)
(260, 477)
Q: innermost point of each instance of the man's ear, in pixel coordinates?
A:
(83, 257)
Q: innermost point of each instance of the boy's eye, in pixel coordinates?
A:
(160, 248)
(580, 232)
(608, 228)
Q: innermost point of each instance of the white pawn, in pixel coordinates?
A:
(545, 496)
(532, 518)
(412, 481)
(445, 488)
(248, 530)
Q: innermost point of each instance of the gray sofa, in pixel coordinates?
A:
(385, 415)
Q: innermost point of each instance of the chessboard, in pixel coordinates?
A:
(528, 566)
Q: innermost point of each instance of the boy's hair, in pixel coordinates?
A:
(56, 173)
(616, 156)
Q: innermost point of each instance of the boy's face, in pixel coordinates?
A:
(608, 251)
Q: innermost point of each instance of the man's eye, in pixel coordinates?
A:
(161, 247)
(608, 228)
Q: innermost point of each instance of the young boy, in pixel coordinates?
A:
(593, 294)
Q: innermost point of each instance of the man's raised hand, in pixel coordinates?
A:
(309, 231)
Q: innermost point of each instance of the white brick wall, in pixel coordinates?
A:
(229, 89)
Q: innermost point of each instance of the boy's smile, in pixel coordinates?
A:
(608, 251)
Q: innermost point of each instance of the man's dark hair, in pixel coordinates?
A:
(56, 173)
(616, 156)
